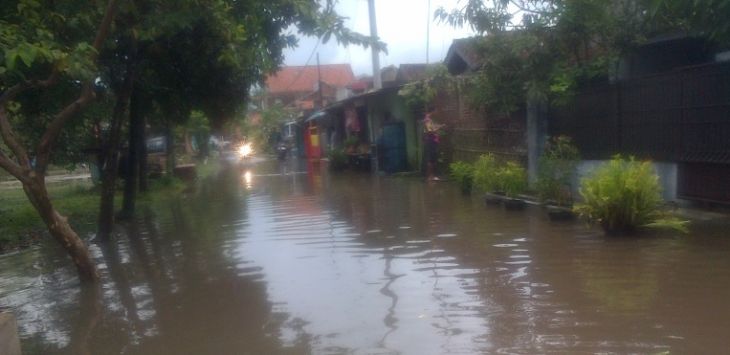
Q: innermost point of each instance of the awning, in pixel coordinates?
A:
(315, 116)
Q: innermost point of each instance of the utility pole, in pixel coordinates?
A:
(319, 83)
(377, 84)
(428, 29)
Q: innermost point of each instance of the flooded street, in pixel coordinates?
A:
(288, 259)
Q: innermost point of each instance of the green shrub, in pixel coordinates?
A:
(512, 179)
(556, 170)
(485, 173)
(351, 141)
(337, 159)
(463, 173)
(623, 195)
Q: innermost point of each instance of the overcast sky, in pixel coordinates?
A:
(401, 25)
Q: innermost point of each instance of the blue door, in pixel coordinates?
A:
(394, 155)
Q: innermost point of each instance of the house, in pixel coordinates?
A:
(667, 102)
(464, 56)
(376, 128)
(670, 103)
(300, 90)
(299, 86)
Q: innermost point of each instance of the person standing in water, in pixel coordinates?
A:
(431, 139)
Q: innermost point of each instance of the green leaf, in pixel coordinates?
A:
(10, 57)
(27, 54)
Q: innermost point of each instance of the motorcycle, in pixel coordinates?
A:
(282, 151)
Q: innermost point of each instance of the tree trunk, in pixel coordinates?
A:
(136, 131)
(170, 147)
(60, 230)
(188, 144)
(108, 189)
(111, 157)
(111, 150)
(143, 168)
(203, 144)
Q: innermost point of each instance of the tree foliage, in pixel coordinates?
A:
(55, 60)
(556, 45)
(421, 93)
(707, 17)
(556, 169)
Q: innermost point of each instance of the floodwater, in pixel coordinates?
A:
(287, 259)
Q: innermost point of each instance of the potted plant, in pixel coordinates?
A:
(556, 171)
(623, 196)
(513, 181)
(463, 174)
(485, 178)
(337, 160)
(351, 144)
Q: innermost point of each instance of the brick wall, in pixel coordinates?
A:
(472, 132)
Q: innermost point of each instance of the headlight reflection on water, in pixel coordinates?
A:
(248, 180)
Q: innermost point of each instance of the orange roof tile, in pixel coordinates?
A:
(304, 78)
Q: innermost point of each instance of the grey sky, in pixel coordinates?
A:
(401, 24)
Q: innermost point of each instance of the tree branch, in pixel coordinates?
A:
(106, 22)
(6, 132)
(524, 7)
(87, 95)
(12, 167)
(54, 128)
(18, 88)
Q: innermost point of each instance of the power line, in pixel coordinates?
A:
(299, 75)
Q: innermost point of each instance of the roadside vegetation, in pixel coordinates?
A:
(463, 174)
(79, 79)
(556, 171)
(623, 195)
(20, 225)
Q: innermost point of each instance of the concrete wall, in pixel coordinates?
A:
(9, 341)
(667, 176)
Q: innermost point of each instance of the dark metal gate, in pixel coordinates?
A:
(682, 116)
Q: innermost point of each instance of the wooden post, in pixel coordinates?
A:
(9, 341)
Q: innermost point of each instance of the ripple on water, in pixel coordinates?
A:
(505, 245)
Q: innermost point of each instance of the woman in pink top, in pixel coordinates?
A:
(431, 139)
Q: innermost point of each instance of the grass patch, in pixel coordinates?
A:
(207, 168)
(20, 223)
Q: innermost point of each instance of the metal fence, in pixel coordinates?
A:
(681, 116)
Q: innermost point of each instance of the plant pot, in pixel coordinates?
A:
(492, 199)
(514, 204)
(559, 213)
(466, 188)
(622, 230)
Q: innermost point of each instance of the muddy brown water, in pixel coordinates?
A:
(287, 259)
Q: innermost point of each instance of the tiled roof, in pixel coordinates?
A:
(466, 51)
(304, 78)
(413, 72)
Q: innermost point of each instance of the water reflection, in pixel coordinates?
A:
(248, 180)
(285, 258)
